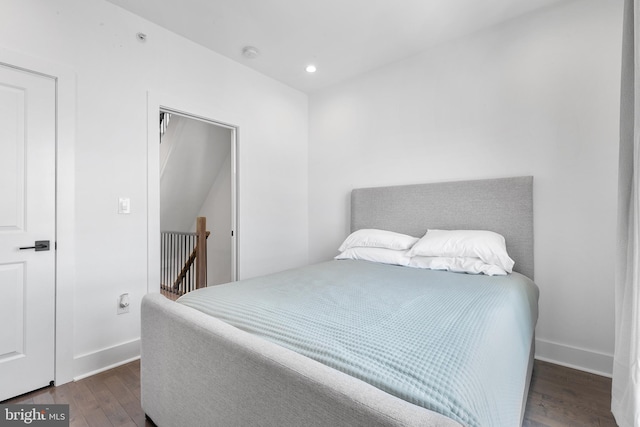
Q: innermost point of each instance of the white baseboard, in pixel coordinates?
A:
(561, 354)
(98, 361)
(574, 357)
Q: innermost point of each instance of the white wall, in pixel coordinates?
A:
(538, 96)
(216, 208)
(115, 73)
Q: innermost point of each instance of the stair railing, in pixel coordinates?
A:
(183, 260)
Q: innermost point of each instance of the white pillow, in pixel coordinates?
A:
(373, 238)
(457, 265)
(381, 255)
(490, 247)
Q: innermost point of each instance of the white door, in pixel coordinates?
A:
(27, 215)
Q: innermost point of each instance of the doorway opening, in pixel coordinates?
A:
(197, 166)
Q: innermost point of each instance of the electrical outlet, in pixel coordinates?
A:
(123, 304)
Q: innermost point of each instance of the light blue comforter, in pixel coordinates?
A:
(453, 343)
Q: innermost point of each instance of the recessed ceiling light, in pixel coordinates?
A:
(311, 68)
(250, 52)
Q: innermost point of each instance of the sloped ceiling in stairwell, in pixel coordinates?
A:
(196, 151)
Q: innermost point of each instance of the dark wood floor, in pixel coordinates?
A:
(111, 398)
(561, 396)
(558, 397)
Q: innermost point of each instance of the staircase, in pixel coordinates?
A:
(183, 260)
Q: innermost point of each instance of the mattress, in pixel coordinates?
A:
(453, 343)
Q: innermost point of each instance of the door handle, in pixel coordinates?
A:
(40, 245)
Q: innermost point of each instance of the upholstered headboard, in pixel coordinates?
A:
(503, 205)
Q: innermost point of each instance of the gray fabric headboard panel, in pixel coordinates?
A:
(503, 205)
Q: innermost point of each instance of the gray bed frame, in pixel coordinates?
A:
(199, 371)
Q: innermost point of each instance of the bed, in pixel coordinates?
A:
(228, 370)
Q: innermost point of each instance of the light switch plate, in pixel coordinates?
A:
(124, 205)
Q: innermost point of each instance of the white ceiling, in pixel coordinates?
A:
(344, 38)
